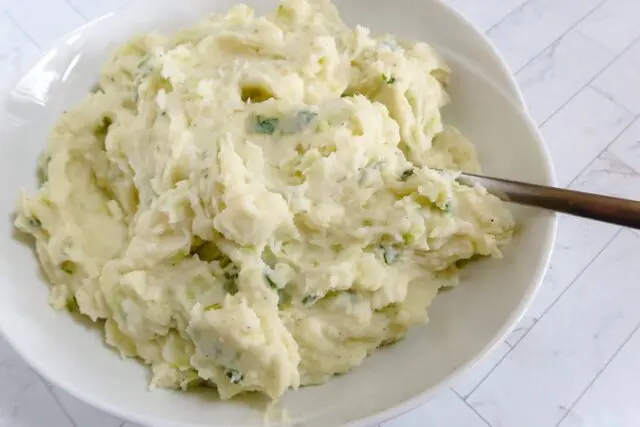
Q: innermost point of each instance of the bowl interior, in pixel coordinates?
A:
(465, 322)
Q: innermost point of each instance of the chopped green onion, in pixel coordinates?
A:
(231, 272)
(266, 125)
(231, 287)
(298, 122)
(72, 305)
(392, 306)
(389, 79)
(270, 281)
(284, 299)
(337, 247)
(408, 238)
(68, 267)
(305, 117)
(144, 61)
(309, 299)
(213, 307)
(43, 168)
(233, 375)
(390, 254)
(255, 94)
(101, 131)
(406, 175)
(34, 222)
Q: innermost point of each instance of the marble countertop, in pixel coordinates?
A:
(573, 360)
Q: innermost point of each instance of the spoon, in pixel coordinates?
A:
(586, 205)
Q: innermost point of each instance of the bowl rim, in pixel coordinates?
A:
(513, 94)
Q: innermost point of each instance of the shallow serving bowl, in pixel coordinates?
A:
(465, 322)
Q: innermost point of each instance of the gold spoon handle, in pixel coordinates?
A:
(586, 205)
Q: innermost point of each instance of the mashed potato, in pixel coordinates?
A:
(259, 203)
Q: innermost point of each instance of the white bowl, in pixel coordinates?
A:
(465, 323)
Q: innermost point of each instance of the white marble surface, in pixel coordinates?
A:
(573, 360)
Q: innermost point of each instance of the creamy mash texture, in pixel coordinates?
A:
(258, 203)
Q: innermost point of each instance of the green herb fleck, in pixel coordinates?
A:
(284, 298)
(447, 208)
(35, 222)
(389, 79)
(266, 125)
(272, 284)
(231, 272)
(144, 61)
(368, 222)
(233, 375)
(305, 117)
(68, 267)
(255, 93)
(323, 126)
(406, 175)
(231, 287)
(408, 238)
(43, 168)
(337, 247)
(72, 305)
(103, 128)
(389, 254)
(309, 299)
(392, 307)
(213, 307)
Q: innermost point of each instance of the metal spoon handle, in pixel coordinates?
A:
(586, 205)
